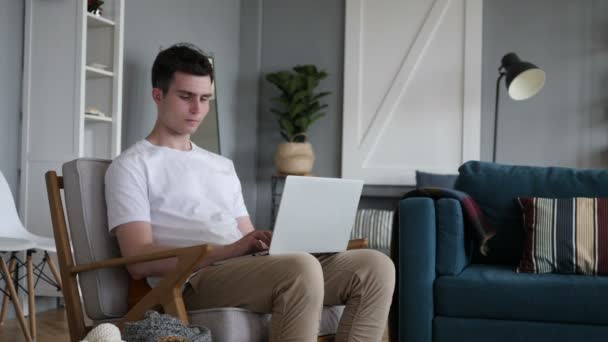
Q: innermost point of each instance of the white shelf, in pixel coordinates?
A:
(95, 118)
(97, 73)
(98, 21)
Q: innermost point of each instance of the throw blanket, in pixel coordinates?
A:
(157, 327)
(474, 220)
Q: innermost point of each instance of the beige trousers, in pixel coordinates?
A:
(294, 288)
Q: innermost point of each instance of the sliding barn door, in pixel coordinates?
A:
(412, 88)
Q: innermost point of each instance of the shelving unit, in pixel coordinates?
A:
(93, 72)
(98, 21)
(72, 61)
(95, 118)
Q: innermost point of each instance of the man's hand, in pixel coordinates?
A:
(253, 242)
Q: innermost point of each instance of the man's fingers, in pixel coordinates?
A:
(263, 246)
(263, 236)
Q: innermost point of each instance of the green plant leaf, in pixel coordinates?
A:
(279, 79)
(299, 96)
(320, 95)
(316, 116)
(298, 105)
(287, 126)
(297, 109)
(302, 123)
(305, 69)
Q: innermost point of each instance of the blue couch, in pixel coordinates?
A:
(447, 291)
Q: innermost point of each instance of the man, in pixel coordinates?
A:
(165, 192)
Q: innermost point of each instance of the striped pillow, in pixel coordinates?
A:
(375, 225)
(565, 235)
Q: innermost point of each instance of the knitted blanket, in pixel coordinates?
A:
(163, 328)
(475, 222)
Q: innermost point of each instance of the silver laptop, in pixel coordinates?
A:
(316, 215)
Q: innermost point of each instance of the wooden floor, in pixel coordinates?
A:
(52, 326)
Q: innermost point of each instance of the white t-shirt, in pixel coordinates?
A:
(189, 197)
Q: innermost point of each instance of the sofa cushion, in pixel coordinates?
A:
(496, 188)
(453, 252)
(565, 235)
(434, 180)
(445, 329)
(498, 292)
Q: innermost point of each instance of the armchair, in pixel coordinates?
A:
(447, 291)
(96, 265)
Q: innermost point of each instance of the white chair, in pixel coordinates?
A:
(14, 238)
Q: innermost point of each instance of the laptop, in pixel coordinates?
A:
(316, 215)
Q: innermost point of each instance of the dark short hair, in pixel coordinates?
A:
(182, 57)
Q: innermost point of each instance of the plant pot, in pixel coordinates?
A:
(294, 158)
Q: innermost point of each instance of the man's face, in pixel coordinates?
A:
(182, 109)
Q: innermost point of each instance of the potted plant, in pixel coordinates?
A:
(299, 106)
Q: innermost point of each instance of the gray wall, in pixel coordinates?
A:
(216, 27)
(566, 124)
(301, 32)
(11, 57)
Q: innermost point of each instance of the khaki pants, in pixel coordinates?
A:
(294, 287)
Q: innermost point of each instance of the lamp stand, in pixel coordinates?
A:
(500, 76)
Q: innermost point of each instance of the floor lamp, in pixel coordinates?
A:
(523, 80)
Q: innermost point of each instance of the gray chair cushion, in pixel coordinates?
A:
(252, 326)
(106, 289)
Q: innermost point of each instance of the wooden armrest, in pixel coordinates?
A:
(357, 244)
(168, 293)
(123, 261)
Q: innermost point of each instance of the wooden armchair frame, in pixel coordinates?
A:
(167, 294)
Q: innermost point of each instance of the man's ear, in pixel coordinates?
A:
(157, 95)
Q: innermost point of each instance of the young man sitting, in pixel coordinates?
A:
(166, 192)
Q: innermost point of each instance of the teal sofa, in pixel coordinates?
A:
(447, 291)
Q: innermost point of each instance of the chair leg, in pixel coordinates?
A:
(5, 298)
(31, 295)
(51, 264)
(15, 300)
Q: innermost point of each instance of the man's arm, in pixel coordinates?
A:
(245, 225)
(135, 238)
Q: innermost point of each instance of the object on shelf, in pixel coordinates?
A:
(94, 111)
(98, 66)
(94, 7)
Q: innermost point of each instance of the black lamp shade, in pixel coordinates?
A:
(523, 79)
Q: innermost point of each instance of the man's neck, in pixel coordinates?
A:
(178, 142)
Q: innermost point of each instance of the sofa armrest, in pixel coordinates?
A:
(453, 247)
(414, 252)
